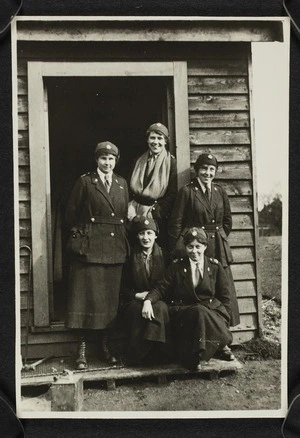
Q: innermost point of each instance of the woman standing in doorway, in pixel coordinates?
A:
(205, 204)
(96, 215)
(154, 181)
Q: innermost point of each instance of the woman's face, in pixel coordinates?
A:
(146, 238)
(156, 142)
(106, 162)
(195, 250)
(206, 173)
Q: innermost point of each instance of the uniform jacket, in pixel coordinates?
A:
(135, 278)
(100, 217)
(176, 288)
(192, 209)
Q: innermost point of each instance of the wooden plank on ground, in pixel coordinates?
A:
(222, 153)
(218, 119)
(22, 121)
(247, 305)
(243, 255)
(242, 221)
(218, 67)
(241, 204)
(244, 271)
(218, 85)
(245, 288)
(24, 264)
(241, 238)
(219, 136)
(105, 373)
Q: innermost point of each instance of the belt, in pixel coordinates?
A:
(107, 220)
(144, 200)
(181, 303)
(212, 227)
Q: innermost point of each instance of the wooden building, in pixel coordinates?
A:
(80, 81)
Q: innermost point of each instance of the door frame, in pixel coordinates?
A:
(39, 152)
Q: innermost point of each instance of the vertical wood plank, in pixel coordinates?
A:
(38, 190)
(255, 200)
(181, 123)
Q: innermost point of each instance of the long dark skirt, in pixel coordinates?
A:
(198, 329)
(93, 295)
(143, 334)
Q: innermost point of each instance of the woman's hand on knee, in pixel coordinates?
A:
(147, 310)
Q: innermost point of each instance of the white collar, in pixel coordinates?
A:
(104, 176)
(194, 264)
(203, 187)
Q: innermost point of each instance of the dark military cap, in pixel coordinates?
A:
(144, 223)
(160, 128)
(205, 159)
(195, 233)
(106, 147)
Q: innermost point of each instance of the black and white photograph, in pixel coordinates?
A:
(151, 216)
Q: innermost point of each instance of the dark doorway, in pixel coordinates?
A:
(83, 112)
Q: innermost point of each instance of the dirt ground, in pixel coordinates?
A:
(255, 387)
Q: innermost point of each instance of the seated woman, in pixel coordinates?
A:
(197, 293)
(147, 337)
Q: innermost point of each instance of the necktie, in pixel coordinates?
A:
(107, 183)
(208, 193)
(197, 275)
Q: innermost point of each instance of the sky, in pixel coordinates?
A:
(270, 102)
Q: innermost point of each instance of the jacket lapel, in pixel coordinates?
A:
(201, 196)
(96, 180)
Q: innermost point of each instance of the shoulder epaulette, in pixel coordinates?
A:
(85, 174)
(215, 261)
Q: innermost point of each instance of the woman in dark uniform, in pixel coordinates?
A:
(96, 215)
(147, 338)
(196, 290)
(153, 182)
(202, 203)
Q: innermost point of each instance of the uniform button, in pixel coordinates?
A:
(112, 234)
(203, 228)
(217, 228)
(92, 219)
(121, 220)
(212, 236)
(112, 214)
(210, 300)
(213, 221)
(153, 208)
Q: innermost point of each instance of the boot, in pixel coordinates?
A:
(108, 357)
(81, 362)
